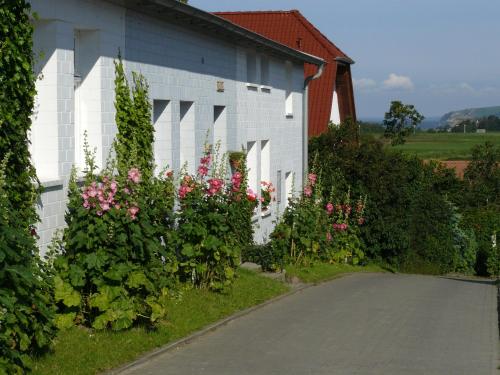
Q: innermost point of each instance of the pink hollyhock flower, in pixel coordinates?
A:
(126, 191)
(114, 186)
(361, 220)
(99, 213)
(202, 170)
(251, 196)
(134, 175)
(92, 192)
(169, 173)
(105, 206)
(215, 185)
(347, 209)
(308, 191)
(86, 204)
(133, 211)
(329, 208)
(117, 206)
(206, 160)
(184, 190)
(187, 179)
(312, 178)
(85, 196)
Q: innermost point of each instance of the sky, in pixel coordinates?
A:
(439, 55)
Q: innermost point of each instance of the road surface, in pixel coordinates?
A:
(360, 324)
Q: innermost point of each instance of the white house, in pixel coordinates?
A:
(205, 73)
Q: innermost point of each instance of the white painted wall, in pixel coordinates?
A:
(180, 66)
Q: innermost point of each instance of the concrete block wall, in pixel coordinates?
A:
(180, 66)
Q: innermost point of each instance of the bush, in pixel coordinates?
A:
(210, 209)
(312, 230)
(409, 215)
(26, 310)
(113, 269)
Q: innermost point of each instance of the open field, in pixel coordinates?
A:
(446, 146)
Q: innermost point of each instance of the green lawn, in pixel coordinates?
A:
(322, 271)
(446, 146)
(81, 351)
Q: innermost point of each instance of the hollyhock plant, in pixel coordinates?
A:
(267, 188)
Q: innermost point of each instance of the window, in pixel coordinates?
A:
(253, 182)
(279, 191)
(219, 129)
(251, 67)
(289, 181)
(162, 120)
(265, 161)
(187, 136)
(264, 70)
(289, 88)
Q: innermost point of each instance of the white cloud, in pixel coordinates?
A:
(463, 89)
(364, 84)
(397, 82)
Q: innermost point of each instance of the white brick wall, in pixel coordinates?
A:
(179, 65)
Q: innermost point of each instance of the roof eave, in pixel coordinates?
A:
(199, 18)
(345, 60)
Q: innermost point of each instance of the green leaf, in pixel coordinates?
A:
(65, 321)
(64, 292)
(137, 279)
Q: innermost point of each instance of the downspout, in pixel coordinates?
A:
(305, 119)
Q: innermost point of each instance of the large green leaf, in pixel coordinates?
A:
(64, 292)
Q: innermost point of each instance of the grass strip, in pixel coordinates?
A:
(82, 351)
(319, 272)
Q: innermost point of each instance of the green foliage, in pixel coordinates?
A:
(409, 219)
(400, 121)
(26, 310)
(112, 270)
(314, 229)
(211, 211)
(17, 82)
(482, 176)
(134, 141)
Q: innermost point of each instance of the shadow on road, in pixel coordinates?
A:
(475, 281)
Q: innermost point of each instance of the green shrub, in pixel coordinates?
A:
(26, 310)
(113, 269)
(205, 240)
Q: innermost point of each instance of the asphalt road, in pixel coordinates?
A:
(360, 324)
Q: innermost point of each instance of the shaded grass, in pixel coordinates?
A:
(81, 351)
(446, 146)
(318, 272)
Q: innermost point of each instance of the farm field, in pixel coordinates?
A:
(446, 146)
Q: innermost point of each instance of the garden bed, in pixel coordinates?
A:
(82, 351)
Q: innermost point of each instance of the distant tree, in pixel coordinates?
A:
(400, 121)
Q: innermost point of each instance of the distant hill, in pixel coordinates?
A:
(454, 118)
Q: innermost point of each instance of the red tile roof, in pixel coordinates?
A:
(294, 30)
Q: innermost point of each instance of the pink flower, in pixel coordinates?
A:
(307, 191)
(114, 186)
(215, 185)
(202, 170)
(126, 191)
(184, 190)
(169, 173)
(117, 206)
(134, 175)
(206, 160)
(132, 211)
(312, 178)
(251, 196)
(340, 227)
(86, 204)
(92, 191)
(99, 213)
(361, 220)
(329, 208)
(105, 206)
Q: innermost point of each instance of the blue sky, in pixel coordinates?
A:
(439, 55)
